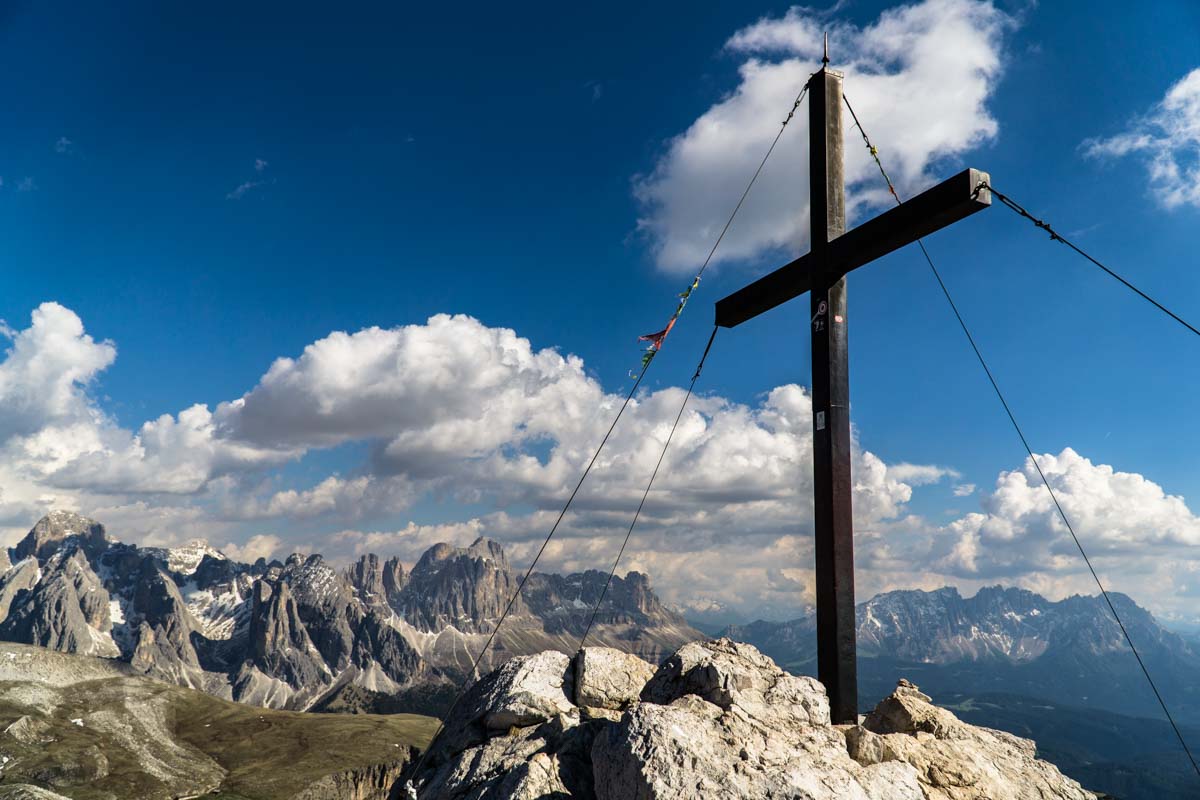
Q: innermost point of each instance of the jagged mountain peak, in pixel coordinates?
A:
(377, 582)
(56, 529)
(488, 549)
(187, 557)
(482, 549)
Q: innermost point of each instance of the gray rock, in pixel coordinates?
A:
(393, 580)
(693, 749)
(528, 690)
(954, 760)
(279, 640)
(507, 717)
(61, 605)
(327, 606)
(164, 647)
(608, 678)
(22, 577)
(366, 576)
(550, 761)
(57, 528)
(728, 673)
(717, 720)
(27, 730)
(467, 588)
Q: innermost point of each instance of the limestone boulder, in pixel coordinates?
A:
(954, 760)
(691, 749)
(549, 761)
(528, 690)
(717, 720)
(731, 674)
(609, 679)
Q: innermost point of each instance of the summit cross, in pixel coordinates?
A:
(822, 272)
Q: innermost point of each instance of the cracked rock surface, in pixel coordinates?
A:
(717, 719)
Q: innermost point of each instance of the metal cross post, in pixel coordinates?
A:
(833, 254)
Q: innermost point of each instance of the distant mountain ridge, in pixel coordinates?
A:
(1003, 640)
(301, 634)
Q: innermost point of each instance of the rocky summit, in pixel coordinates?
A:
(718, 719)
(301, 633)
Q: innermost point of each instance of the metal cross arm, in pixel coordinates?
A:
(934, 209)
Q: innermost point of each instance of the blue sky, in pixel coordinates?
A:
(402, 162)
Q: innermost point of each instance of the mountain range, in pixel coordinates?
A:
(301, 634)
(1004, 640)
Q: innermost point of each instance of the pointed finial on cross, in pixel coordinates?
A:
(825, 60)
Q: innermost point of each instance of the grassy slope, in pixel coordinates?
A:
(274, 754)
(140, 738)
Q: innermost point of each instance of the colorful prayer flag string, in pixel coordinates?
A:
(656, 339)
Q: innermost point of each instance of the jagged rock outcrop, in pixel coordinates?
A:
(20, 578)
(953, 760)
(327, 606)
(366, 576)
(717, 719)
(366, 783)
(164, 640)
(60, 603)
(464, 588)
(278, 639)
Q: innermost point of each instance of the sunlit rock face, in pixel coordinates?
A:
(716, 719)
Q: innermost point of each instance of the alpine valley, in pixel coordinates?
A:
(301, 634)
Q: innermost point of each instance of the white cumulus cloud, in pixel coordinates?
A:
(46, 372)
(1168, 136)
(1121, 517)
(919, 78)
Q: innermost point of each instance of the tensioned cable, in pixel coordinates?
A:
(1025, 442)
(1057, 237)
(612, 572)
(782, 127)
(628, 398)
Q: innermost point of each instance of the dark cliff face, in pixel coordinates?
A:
(566, 601)
(462, 588)
(55, 530)
(279, 641)
(301, 633)
(56, 603)
(377, 583)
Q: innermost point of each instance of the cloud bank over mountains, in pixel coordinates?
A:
(499, 431)
(919, 78)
